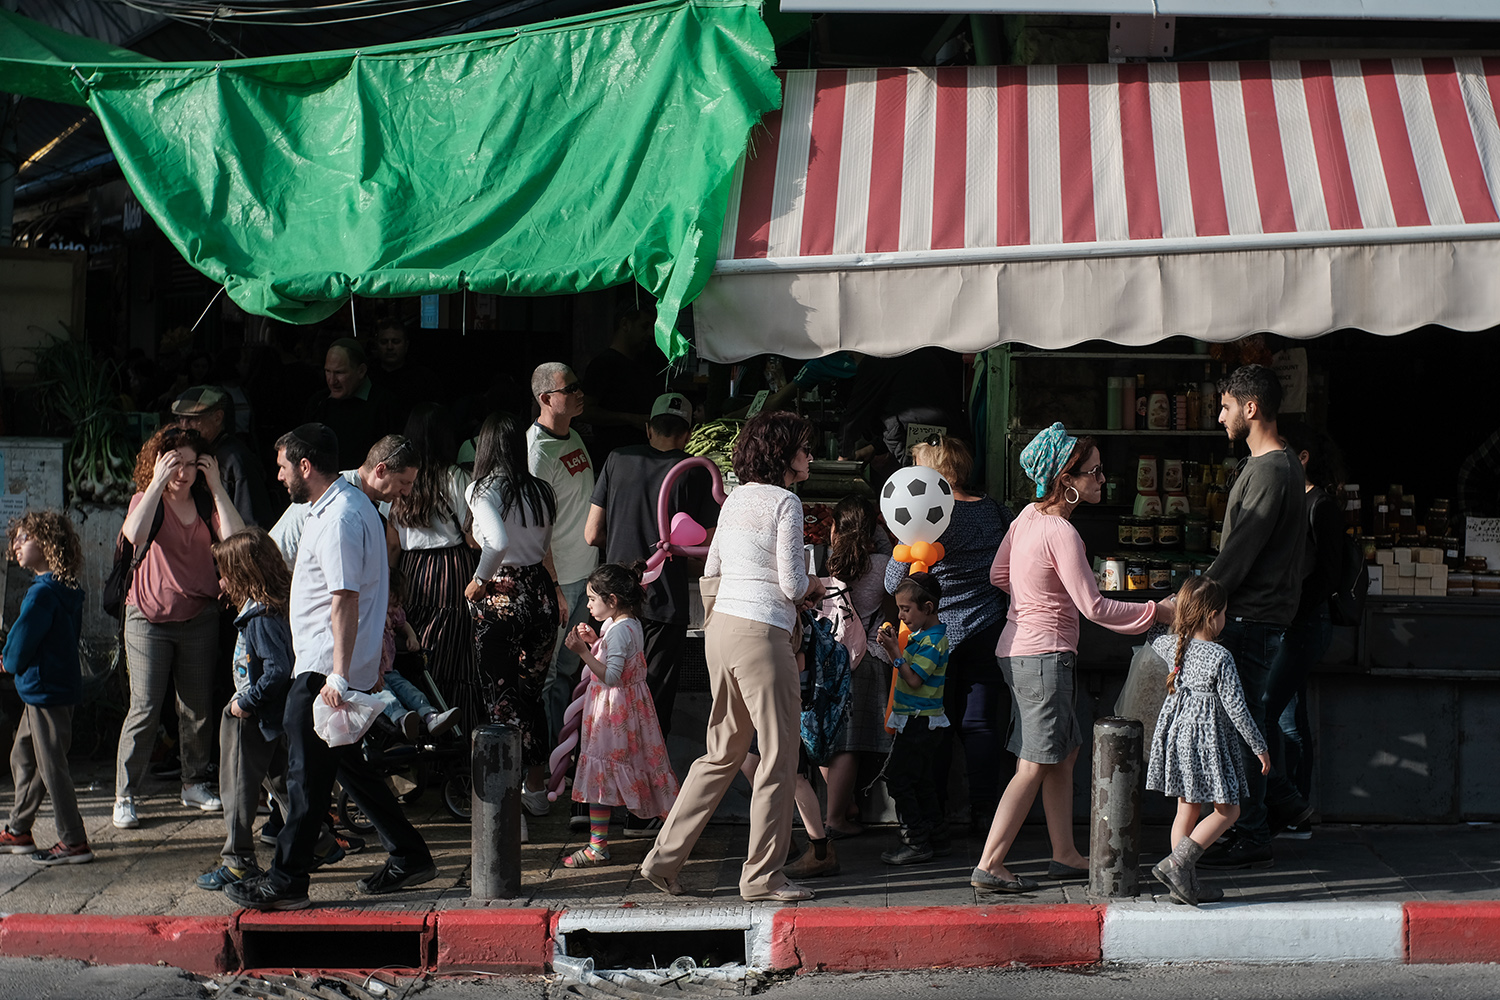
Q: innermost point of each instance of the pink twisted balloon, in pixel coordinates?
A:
(567, 739)
(665, 549)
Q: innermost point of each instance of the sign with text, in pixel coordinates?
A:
(1482, 538)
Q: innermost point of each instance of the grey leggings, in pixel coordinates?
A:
(186, 652)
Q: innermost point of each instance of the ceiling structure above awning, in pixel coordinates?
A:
(885, 209)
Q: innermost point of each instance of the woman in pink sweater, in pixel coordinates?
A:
(1043, 566)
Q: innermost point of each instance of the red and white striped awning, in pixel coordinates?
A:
(882, 209)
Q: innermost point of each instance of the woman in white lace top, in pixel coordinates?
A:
(757, 556)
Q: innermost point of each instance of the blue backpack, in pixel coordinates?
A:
(825, 687)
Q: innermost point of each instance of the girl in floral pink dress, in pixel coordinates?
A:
(622, 760)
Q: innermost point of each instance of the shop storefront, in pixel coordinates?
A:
(1108, 236)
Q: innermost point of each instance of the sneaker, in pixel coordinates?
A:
(1301, 831)
(1289, 812)
(63, 854)
(536, 803)
(908, 854)
(258, 893)
(200, 796)
(216, 880)
(333, 857)
(641, 829)
(578, 819)
(393, 879)
(439, 723)
(16, 843)
(268, 833)
(125, 817)
(351, 843)
(411, 727)
(166, 769)
(1239, 855)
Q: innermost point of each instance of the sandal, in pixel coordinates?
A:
(585, 857)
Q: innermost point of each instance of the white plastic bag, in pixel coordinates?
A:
(1145, 690)
(348, 723)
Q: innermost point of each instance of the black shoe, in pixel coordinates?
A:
(642, 829)
(393, 879)
(1301, 831)
(1291, 812)
(579, 818)
(1240, 855)
(260, 894)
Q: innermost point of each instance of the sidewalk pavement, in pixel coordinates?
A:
(1352, 892)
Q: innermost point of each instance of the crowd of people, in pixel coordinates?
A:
(522, 573)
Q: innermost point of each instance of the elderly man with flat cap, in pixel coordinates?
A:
(208, 409)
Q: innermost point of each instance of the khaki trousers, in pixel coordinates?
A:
(753, 676)
(39, 764)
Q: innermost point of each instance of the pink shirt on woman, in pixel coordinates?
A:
(1042, 565)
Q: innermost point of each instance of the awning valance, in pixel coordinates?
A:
(883, 209)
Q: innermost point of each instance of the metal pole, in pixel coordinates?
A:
(496, 829)
(1114, 844)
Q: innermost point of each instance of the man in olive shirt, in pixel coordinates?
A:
(1260, 564)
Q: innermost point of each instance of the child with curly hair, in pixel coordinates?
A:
(41, 652)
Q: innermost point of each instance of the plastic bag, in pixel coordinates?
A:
(1145, 690)
(349, 722)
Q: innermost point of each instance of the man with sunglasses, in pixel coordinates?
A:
(557, 454)
(388, 473)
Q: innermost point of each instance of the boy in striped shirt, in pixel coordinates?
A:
(916, 717)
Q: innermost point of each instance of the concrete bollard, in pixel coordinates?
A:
(1115, 835)
(496, 822)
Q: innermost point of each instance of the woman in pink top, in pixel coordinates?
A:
(1043, 566)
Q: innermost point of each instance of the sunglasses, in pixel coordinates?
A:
(568, 389)
(933, 440)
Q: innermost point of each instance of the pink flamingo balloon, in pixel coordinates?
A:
(680, 535)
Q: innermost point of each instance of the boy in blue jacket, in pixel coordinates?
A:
(42, 653)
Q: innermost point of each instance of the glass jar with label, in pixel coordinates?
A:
(1180, 573)
(1172, 480)
(1168, 532)
(1125, 532)
(1438, 518)
(1135, 576)
(1159, 575)
(1354, 508)
(1147, 504)
(1158, 411)
(1176, 503)
(1145, 534)
(1195, 533)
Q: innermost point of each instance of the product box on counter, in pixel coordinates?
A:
(1409, 572)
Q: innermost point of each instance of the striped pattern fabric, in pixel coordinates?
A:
(874, 161)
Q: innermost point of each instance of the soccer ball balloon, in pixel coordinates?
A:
(917, 504)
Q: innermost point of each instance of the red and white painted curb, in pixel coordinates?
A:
(816, 938)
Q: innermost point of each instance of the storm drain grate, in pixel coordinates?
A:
(333, 949)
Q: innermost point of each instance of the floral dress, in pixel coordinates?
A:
(622, 760)
(1195, 754)
(515, 630)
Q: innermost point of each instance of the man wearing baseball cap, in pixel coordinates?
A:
(208, 410)
(622, 521)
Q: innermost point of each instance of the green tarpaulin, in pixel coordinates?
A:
(561, 157)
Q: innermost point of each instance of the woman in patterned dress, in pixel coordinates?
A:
(513, 596)
(1194, 755)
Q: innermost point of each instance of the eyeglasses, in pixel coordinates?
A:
(568, 389)
(1096, 471)
(402, 447)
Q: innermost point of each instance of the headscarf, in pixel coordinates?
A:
(1046, 456)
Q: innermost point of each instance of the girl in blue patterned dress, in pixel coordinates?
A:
(1194, 753)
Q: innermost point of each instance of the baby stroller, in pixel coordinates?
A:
(440, 761)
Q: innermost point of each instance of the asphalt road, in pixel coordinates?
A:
(25, 979)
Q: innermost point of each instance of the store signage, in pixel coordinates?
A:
(1427, 10)
(1482, 538)
(429, 312)
(917, 433)
(1290, 367)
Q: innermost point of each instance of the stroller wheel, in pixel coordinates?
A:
(458, 792)
(352, 816)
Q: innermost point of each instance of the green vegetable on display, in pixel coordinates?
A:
(78, 392)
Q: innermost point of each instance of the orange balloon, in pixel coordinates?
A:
(902, 553)
(919, 567)
(921, 552)
(937, 552)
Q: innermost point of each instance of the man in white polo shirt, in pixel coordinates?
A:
(557, 454)
(338, 607)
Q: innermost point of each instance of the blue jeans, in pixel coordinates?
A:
(1307, 639)
(563, 674)
(1255, 647)
(401, 696)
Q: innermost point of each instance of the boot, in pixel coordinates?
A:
(914, 848)
(1176, 871)
(819, 859)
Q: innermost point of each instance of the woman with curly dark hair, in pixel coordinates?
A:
(171, 611)
(758, 559)
(41, 653)
(428, 527)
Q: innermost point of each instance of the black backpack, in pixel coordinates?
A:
(122, 573)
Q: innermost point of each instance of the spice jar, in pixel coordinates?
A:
(1168, 532)
(1125, 532)
(1159, 575)
(1145, 474)
(1145, 534)
(1135, 576)
(1171, 475)
(1158, 411)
